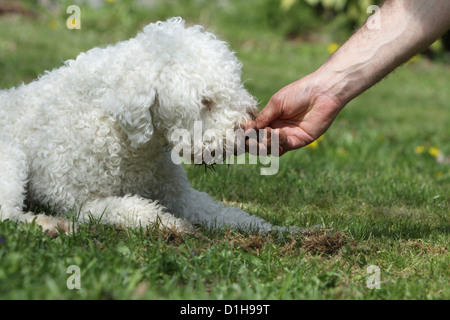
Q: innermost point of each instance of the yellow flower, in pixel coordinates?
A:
(342, 151)
(332, 47)
(415, 58)
(434, 152)
(53, 24)
(285, 5)
(315, 143)
(438, 174)
(419, 149)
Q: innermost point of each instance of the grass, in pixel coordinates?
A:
(373, 183)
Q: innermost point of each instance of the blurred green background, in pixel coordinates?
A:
(38, 27)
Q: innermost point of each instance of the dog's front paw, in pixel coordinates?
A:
(175, 224)
(53, 226)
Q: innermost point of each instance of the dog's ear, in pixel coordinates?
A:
(132, 113)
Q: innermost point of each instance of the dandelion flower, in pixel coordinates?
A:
(414, 59)
(53, 24)
(434, 152)
(438, 174)
(332, 47)
(285, 5)
(315, 143)
(342, 151)
(419, 149)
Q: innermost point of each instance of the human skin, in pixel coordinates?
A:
(302, 111)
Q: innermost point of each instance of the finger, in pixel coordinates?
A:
(278, 142)
(272, 141)
(282, 138)
(253, 147)
(269, 113)
(281, 142)
(249, 125)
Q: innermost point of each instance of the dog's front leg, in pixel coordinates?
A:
(131, 211)
(200, 208)
(13, 180)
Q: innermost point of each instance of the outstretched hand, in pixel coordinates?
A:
(298, 114)
(303, 110)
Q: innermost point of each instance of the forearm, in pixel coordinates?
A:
(405, 28)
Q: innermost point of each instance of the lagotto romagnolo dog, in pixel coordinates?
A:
(91, 137)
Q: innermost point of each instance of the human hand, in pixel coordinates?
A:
(299, 114)
(303, 110)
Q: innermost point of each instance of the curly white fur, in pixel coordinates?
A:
(91, 134)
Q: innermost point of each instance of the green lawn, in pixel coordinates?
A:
(374, 183)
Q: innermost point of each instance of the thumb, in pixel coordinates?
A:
(269, 113)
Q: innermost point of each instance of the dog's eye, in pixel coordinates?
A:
(207, 104)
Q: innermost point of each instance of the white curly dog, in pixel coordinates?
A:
(91, 137)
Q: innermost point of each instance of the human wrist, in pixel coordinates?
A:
(353, 70)
(371, 53)
(340, 85)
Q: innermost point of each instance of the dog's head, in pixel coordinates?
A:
(192, 93)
